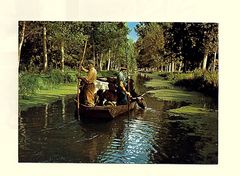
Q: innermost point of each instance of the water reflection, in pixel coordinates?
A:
(134, 145)
(63, 109)
(46, 115)
(52, 134)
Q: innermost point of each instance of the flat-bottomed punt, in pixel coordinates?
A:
(104, 112)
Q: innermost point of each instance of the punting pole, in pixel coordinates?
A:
(78, 80)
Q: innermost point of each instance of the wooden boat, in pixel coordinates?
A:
(104, 112)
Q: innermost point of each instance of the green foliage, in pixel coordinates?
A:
(211, 78)
(65, 42)
(110, 39)
(150, 45)
(43, 97)
(56, 77)
(30, 84)
(69, 77)
(162, 43)
(198, 80)
(206, 82)
(175, 76)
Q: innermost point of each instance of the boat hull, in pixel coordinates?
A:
(104, 112)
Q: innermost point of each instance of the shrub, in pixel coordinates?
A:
(202, 81)
(69, 77)
(164, 75)
(180, 76)
(29, 84)
(56, 77)
(175, 76)
(211, 78)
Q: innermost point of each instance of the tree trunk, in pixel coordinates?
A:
(62, 56)
(100, 62)
(169, 67)
(109, 60)
(166, 68)
(180, 66)
(214, 61)
(112, 65)
(205, 61)
(173, 66)
(45, 61)
(21, 41)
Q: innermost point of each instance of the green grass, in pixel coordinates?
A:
(155, 83)
(197, 114)
(39, 89)
(194, 111)
(46, 96)
(165, 90)
(178, 95)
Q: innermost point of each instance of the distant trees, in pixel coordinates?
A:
(111, 39)
(66, 37)
(177, 46)
(45, 45)
(31, 54)
(151, 44)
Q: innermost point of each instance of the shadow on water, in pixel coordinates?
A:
(51, 133)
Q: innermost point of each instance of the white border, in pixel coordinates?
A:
(223, 12)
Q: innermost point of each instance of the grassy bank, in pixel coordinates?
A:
(46, 96)
(40, 88)
(198, 116)
(202, 81)
(165, 89)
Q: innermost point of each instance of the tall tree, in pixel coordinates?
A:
(59, 32)
(110, 40)
(31, 47)
(21, 37)
(45, 60)
(210, 41)
(68, 37)
(150, 45)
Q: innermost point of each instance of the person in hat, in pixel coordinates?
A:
(89, 88)
(122, 93)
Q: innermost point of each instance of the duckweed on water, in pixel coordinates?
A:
(47, 96)
(177, 95)
(164, 90)
(194, 111)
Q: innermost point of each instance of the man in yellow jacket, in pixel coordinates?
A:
(89, 87)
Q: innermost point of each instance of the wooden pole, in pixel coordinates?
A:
(78, 80)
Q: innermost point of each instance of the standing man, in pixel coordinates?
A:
(89, 87)
(122, 93)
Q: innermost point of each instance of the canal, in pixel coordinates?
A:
(52, 134)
